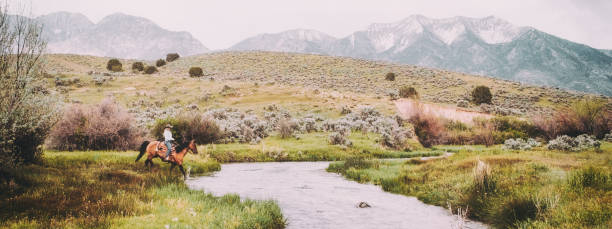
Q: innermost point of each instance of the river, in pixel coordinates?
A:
(310, 197)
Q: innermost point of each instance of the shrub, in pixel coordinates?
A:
(429, 129)
(105, 126)
(481, 94)
(593, 117)
(484, 134)
(520, 144)
(567, 143)
(243, 127)
(66, 82)
(408, 92)
(345, 110)
(150, 70)
(396, 139)
(190, 126)
(160, 62)
(390, 76)
(583, 117)
(114, 65)
(138, 66)
(27, 112)
(286, 128)
(172, 57)
(337, 138)
(196, 72)
(608, 137)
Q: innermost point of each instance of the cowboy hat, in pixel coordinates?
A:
(168, 126)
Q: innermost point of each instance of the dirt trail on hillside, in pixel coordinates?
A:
(405, 108)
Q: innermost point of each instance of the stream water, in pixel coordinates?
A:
(310, 197)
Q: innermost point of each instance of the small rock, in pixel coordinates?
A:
(364, 205)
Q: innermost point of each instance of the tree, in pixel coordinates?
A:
(172, 57)
(150, 70)
(390, 76)
(196, 72)
(481, 94)
(27, 109)
(408, 92)
(114, 65)
(138, 66)
(160, 62)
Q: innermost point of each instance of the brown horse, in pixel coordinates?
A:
(158, 149)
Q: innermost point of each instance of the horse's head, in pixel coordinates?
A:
(193, 147)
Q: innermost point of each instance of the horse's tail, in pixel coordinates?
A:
(143, 149)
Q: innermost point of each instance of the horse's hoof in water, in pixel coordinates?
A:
(363, 205)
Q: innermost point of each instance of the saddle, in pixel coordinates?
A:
(161, 149)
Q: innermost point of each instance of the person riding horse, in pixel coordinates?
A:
(168, 141)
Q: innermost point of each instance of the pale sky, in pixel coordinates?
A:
(218, 24)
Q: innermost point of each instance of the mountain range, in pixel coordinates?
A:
(484, 46)
(116, 35)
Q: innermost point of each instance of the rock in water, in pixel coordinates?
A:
(363, 205)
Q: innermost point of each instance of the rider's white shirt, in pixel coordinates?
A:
(168, 135)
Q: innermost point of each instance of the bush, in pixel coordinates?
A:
(520, 144)
(583, 117)
(390, 76)
(484, 134)
(114, 65)
(150, 70)
(172, 57)
(481, 94)
(196, 72)
(339, 138)
(567, 143)
(138, 66)
(408, 92)
(429, 129)
(160, 63)
(286, 128)
(105, 126)
(244, 127)
(188, 127)
(396, 139)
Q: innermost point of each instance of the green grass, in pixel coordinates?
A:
(310, 147)
(524, 189)
(108, 189)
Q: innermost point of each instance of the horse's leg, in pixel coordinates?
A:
(183, 171)
(171, 168)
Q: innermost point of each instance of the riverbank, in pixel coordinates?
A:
(108, 189)
(313, 146)
(524, 189)
(310, 197)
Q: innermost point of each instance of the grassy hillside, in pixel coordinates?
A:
(299, 81)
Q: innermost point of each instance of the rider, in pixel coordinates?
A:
(168, 140)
